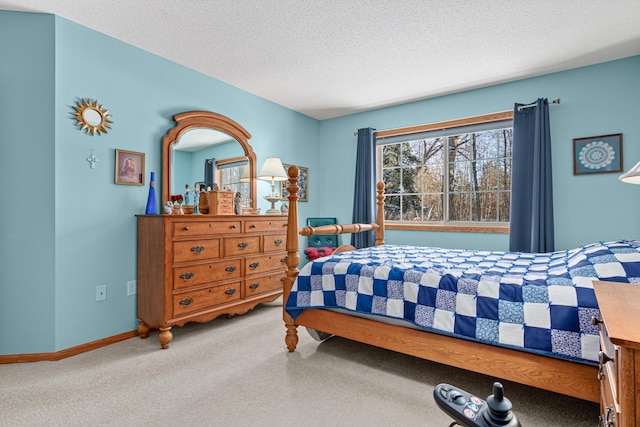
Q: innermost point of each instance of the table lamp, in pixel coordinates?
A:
(274, 171)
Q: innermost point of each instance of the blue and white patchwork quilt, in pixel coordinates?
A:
(542, 303)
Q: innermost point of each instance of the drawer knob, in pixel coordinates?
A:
(186, 302)
(604, 358)
(197, 249)
(230, 292)
(243, 245)
(186, 228)
(278, 242)
(601, 374)
(234, 226)
(609, 419)
(283, 260)
(254, 286)
(254, 265)
(252, 226)
(231, 269)
(595, 321)
(187, 276)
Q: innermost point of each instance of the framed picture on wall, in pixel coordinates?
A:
(129, 167)
(303, 183)
(597, 154)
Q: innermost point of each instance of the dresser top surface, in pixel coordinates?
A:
(619, 305)
(205, 217)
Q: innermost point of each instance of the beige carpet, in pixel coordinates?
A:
(237, 372)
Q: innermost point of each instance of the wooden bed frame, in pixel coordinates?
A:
(548, 373)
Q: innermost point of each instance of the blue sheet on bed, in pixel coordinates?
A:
(542, 303)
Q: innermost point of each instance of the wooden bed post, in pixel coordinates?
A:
(293, 258)
(380, 218)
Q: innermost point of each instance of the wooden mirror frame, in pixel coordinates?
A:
(205, 119)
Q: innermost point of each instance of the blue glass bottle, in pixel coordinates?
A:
(152, 205)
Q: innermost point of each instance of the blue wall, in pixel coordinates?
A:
(69, 228)
(596, 100)
(27, 174)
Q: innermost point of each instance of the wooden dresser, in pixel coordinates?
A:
(194, 268)
(619, 370)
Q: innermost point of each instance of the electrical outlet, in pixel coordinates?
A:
(101, 292)
(131, 287)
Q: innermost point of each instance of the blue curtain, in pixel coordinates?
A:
(364, 198)
(209, 172)
(531, 227)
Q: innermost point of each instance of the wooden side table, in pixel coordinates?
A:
(619, 370)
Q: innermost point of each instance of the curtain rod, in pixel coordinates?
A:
(500, 114)
(522, 107)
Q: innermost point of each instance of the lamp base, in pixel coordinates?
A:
(273, 210)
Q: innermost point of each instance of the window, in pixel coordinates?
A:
(448, 174)
(229, 176)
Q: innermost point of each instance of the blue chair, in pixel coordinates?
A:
(321, 244)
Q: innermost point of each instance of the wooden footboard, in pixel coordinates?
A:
(561, 376)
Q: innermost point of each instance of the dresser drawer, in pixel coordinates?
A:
(609, 408)
(184, 229)
(257, 225)
(264, 263)
(225, 196)
(223, 208)
(275, 242)
(196, 250)
(199, 274)
(261, 284)
(610, 368)
(204, 298)
(241, 245)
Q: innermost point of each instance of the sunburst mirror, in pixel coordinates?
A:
(92, 117)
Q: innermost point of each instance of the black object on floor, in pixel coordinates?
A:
(471, 411)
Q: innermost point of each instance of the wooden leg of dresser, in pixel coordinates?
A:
(165, 337)
(143, 329)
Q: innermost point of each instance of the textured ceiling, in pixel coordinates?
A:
(328, 58)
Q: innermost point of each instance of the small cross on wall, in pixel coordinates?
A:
(92, 160)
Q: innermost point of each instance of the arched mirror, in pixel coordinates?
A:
(199, 137)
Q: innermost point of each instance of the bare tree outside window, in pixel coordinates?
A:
(464, 177)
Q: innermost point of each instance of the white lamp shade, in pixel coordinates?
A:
(246, 174)
(273, 170)
(632, 176)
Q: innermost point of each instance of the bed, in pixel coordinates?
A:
(520, 317)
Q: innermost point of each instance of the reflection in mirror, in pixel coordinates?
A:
(208, 156)
(91, 116)
(203, 137)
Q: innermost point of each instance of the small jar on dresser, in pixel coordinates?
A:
(194, 268)
(619, 358)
